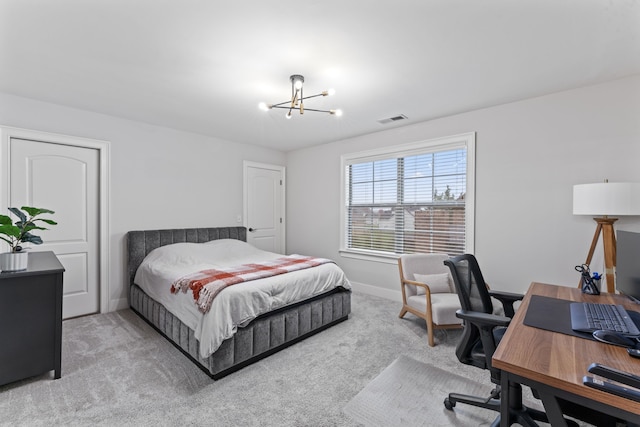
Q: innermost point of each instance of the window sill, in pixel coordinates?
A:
(369, 256)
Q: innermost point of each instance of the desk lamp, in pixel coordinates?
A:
(602, 200)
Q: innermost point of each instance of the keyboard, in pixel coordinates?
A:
(589, 317)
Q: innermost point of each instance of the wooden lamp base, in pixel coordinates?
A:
(605, 226)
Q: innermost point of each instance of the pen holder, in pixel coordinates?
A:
(589, 285)
(596, 282)
(587, 282)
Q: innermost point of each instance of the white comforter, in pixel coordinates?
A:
(236, 305)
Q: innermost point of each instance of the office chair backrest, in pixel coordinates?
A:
(474, 296)
(470, 285)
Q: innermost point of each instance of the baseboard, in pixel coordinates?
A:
(118, 304)
(376, 291)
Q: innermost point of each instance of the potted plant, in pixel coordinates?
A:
(20, 232)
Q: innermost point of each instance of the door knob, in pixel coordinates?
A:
(252, 229)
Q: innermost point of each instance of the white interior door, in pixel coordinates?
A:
(64, 179)
(264, 206)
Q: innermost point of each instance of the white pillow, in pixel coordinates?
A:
(438, 283)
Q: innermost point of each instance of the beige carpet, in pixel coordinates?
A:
(118, 371)
(411, 393)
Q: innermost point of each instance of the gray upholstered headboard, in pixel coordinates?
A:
(140, 243)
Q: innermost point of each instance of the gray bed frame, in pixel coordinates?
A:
(262, 337)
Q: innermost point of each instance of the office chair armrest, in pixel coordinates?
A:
(483, 320)
(507, 299)
(506, 296)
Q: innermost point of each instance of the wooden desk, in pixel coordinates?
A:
(554, 364)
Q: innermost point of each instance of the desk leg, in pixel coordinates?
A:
(552, 408)
(504, 399)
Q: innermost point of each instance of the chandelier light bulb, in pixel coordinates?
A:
(263, 106)
(336, 113)
(297, 81)
(331, 92)
(288, 116)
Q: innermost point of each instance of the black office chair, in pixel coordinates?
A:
(482, 332)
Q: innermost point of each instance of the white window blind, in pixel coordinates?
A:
(410, 201)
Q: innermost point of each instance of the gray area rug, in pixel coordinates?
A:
(118, 371)
(411, 393)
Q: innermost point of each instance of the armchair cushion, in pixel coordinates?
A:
(443, 307)
(438, 283)
(421, 264)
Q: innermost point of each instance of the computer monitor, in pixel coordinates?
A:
(628, 264)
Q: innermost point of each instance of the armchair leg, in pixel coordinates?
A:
(430, 338)
(402, 312)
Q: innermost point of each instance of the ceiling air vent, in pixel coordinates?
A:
(393, 119)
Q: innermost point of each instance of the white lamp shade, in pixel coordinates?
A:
(609, 198)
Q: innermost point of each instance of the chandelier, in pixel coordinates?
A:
(297, 99)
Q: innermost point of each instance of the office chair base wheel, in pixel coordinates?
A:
(449, 404)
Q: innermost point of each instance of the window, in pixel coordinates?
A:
(415, 198)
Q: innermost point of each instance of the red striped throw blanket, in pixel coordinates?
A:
(207, 284)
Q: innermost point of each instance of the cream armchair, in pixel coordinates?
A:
(428, 291)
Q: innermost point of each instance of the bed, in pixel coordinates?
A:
(251, 341)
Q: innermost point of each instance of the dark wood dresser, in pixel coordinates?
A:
(31, 319)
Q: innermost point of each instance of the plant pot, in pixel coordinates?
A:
(14, 261)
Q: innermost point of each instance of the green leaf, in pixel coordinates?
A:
(10, 230)
(32, 227)
(17, 212)
(27, 237)
(36, 211)
(48, 221)
(5, 220)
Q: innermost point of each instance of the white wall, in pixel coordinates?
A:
(160, 178)
(529, 155)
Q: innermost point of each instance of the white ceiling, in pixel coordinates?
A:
(203, 66)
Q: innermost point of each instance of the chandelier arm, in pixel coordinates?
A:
(280, 104)
(319, 111)
(313, 96)
(305, 109)
(294, 99)
(284, 107)
(301, 100)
